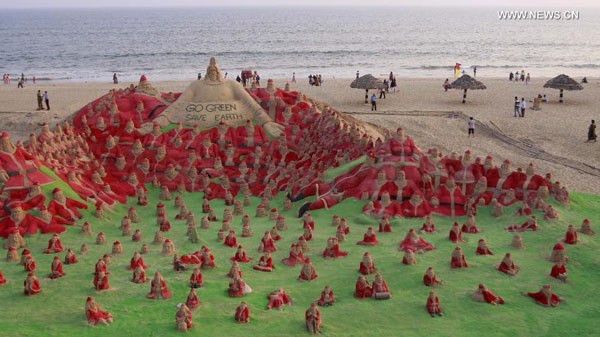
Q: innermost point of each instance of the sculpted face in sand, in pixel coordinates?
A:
(213, 99)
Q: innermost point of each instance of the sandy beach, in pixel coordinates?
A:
(552, 138)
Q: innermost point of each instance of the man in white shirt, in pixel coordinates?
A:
(523, 106)
(471, 127)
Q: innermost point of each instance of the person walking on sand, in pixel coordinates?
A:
(20, 83)
(446, 85)
(523, 106)
(527, 79)
(373, 103)
(471, 127)
(40, 99)
(522, 75)
(381, 93)
(474, 71)
(47, 99)
(511, 76)
(393, 84)
(592, 137)
(357, 74)
(115, 79)
(517, 107)
(293, 77)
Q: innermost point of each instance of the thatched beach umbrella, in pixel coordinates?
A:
(367, 82)
(563, 82)
(466, 82)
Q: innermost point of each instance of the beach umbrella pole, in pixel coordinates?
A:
(561, 96)
(465, 96)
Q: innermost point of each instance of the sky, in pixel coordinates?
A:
(536, 4)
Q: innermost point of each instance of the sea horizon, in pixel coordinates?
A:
(175, 43)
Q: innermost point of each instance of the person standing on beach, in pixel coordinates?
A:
(40, 99)
(522, 75)
(393, 84)
(517, 107)
(373, 103)
(391, 76)
(511, 76)
(523, 106)
(238, 79)
(381, 93)
(257, 79)
(357, 74)
(527, 79)
(293, 77)
(199, 76)
(474, 71)
(20, 83)
(115, 79)
(47, 99)
(34, 79)
(471, 127)
(592, 137)
(446, 85)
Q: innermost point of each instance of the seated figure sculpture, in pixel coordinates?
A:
(278, 299)
(433, 305)
(307, 273)
(415, 243)
(483, 294)
(326, 298)
(96, 316)
(507, 266)
(158, 288)
(380, 288)
(545, 297)
(313, 319)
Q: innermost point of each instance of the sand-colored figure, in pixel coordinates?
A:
(218, 99)
(158, 288)
(12, 255)
(101, 239)
(313, 319)
(14, 240)
(483, 294)
(168, 248)
(158, 238)
(183, 318)
(96, 316)
(586, 227)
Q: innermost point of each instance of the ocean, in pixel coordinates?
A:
(176, 43)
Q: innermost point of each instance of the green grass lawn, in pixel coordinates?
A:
(59, 309)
